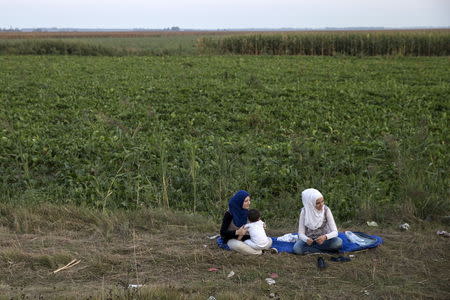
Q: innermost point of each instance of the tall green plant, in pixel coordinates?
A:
(415, 43)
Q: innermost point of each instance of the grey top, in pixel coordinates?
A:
(327, 228)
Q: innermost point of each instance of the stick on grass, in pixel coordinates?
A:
(69, 265)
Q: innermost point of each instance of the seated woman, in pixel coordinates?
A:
(317, 230)
(232, 230)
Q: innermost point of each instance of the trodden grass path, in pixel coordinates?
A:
(170, 254)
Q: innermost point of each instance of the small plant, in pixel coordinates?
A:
(193, 170)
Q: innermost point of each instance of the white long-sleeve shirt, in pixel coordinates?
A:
(330, 229)
(257, 233)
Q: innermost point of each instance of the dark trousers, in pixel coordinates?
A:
(328, 246)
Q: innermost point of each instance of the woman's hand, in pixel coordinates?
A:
(321, 239)
(241, 231)
(309, 241)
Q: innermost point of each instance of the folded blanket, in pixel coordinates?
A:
(287, 241)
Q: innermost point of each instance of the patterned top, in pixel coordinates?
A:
(315, 233)
(327, 228)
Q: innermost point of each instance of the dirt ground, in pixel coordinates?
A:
(170, 254)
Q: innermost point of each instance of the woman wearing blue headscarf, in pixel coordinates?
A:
(232, 230)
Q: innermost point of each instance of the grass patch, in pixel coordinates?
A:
(57, 47)
(172, 262)
(72, 218)
(116, 45)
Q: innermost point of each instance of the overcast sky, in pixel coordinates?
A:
(221, 14)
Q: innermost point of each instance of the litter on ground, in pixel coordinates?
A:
(134, 286)
(213, 269)
(404, 226)
(443, 233)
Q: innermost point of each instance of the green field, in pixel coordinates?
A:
(111, 46)
(185, 132)
(317, 43)
(122, 154)
(360, 43)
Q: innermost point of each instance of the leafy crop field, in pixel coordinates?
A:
(186, 132)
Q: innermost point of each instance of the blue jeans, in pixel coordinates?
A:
(328, 246)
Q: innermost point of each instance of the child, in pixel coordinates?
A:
(258, 238)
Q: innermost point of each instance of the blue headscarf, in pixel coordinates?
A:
(235, 208)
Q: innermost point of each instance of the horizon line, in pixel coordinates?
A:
(177, 28)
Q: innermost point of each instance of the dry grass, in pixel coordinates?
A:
(156, 33)
(100, 34)
(169, 253)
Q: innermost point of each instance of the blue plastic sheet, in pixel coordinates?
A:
(347, 245)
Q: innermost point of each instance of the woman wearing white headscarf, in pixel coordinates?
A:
(317, 230)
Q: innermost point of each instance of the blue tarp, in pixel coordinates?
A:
(347, 246)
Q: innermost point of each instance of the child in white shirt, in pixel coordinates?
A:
(258, 238)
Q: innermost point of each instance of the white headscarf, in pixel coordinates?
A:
(313, 217)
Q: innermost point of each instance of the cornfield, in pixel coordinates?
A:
(403, 43)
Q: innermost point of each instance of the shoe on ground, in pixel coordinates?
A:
(321, 264)
(340, 259)
(270, 251)
(273, 250)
